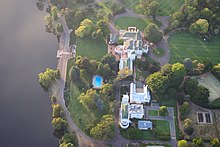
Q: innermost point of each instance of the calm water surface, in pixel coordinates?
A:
(25, 50)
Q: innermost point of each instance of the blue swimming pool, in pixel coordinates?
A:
(97, 81)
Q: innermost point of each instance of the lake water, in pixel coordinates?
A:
(25, 50)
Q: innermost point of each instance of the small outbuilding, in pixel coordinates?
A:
(145, 125)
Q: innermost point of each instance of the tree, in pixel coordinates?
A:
(153, 8)
(102, 24)
(163, 111)
(198, 142)
(106, 90)
(104, 129)
(216, 71)
(200, 26)
(188, 64)
(79, 15)
(152, 33)
(82, 62)
(184, 110)
(177, 76)
(124, 73)
(190, 86)
(88, 24)
(66, 145)
(48, 77)
(110, 60)
(201, 96)
(59, 124)
(177, 16)
(56, 110)
(207, 14)
(88, 99)
(86, 28)
(182, 143)
(214, 142)
(53, 12)
(81, 31)
(158, 83)
(68, 140)
(187, 123)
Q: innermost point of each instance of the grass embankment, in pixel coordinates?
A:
(125, 22)
(185, 45)
(90, 48)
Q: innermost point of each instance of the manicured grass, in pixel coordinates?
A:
(185, 45)
(167, 7)
(92, 49)
(159, 52)
(153, 112)
(135, 133)
(162, 126)
(125, 22)
(82, 117)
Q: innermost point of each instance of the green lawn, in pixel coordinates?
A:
(167, 7)
(153, 112)
(125, 22)
(183, 45)
(162, 126)
(90, 48)
(134, 133)
(81, 116)
(159, 52)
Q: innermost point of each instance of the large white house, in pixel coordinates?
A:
(139, 95)
(132, 105)
(132, 47)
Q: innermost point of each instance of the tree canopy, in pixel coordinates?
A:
(104, 129)
(182, 143)
(59, 124)
(48, 77)
(152, 33)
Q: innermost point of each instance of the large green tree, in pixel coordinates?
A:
(48, 77)
(200, 26)
(152, 33)
(104, 129)
(177, 76)
(158, 83)
(59, 124)
(88, 98)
